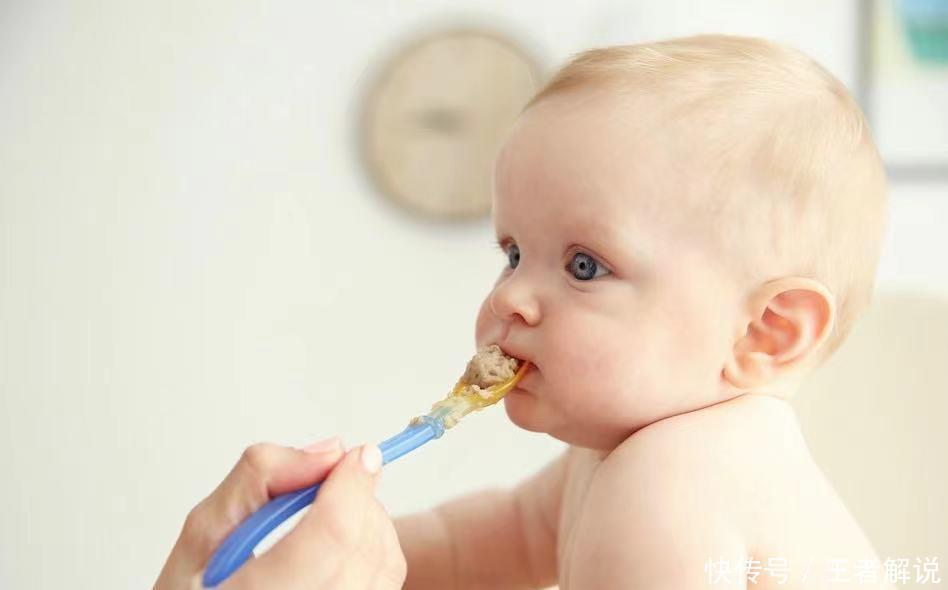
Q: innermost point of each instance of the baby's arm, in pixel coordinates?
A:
(489, 539)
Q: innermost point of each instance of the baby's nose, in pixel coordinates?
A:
(514, 297)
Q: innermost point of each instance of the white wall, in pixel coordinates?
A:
(191, 259)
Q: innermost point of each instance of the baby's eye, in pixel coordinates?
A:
(513, 255)
(585, 268)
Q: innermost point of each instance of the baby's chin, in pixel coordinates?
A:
(523, 409)
(527, 412)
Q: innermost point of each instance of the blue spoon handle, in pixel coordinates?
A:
(238, 546)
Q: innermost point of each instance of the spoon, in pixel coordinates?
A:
(463, 399)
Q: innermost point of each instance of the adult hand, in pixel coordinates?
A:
(345, 541)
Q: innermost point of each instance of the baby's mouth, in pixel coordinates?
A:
(520, 361)
(512, 354)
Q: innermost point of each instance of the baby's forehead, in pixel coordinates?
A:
(591, 134)
(598, 151)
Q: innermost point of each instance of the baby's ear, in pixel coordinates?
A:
(787, 322)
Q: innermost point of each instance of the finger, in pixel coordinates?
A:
(286, 469)
(263, 471)
(346, 497)
(327, 537)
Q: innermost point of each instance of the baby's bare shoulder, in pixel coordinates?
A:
(662, 503)
(721, 459)
(731, 481)
(718, 441)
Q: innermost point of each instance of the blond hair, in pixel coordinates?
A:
(793, 158)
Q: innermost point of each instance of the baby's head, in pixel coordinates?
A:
(682, 222)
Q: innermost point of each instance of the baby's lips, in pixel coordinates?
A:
(511, 352)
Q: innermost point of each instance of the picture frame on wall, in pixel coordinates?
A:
(903, 84)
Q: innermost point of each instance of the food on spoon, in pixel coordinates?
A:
(489, 367)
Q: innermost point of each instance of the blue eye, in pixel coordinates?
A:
(513, 255)
(585, 268)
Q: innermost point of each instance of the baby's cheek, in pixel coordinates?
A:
(614, 360)
(590, 357)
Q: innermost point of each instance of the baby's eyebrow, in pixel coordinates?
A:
(597, 231)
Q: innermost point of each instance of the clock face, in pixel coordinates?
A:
(434, 121)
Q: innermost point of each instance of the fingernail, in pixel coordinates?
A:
(324, 446)
(371, 458)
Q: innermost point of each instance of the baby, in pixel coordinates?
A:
(689, 227)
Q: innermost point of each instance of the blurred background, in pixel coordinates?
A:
(230, 222)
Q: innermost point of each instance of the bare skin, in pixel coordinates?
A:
(742, 486)
(665, 369)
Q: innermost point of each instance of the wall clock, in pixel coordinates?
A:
(435, 116)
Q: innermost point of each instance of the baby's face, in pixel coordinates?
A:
(610, 287)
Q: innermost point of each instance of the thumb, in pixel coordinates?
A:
(346, 496)
(323, 539)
